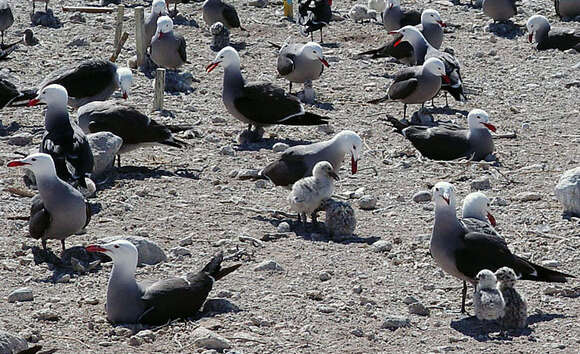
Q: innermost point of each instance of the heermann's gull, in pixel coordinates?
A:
(476, 205)
(432, 29)
(394, 17)
(297, 162)
(499, 10)
(551, 38)
(314, 18)
(442, 143)
(463, 254)
(6, 17)
(168, 48)
(301, 62)
(417, 84)
(219, 11)
(488, 301)
(175, 2)
(135, 128)
(423, 51)
(567, 8)
(516, 308)
(259, 104)
(308, 193)
(9, 91)
(63, 139)
(157, 9)
(378, 5)
(59, 210)
(87, 81)
(129, 301)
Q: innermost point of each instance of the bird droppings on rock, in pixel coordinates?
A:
(568, 191)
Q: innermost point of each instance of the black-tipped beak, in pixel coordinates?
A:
(334, 175)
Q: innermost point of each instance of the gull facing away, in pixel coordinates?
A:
(301, 62)
(308, 193)
(129, 301)
(258, 104)
(6, 18)
(157, 10)
(476, 214)
(394, 17)
(297, 162)
(499, 10)
(488, 301)
(58, 210)
(168, 49)
(463, 253)
(220, 11)
(547, 37)
(516, 308)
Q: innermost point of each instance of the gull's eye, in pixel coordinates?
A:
(33, 159)
(354, 147)
(116, 246)
(437, 189)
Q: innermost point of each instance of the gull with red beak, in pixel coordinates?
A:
(463, 253)
(298, 162)
(58, 210)
(477, 206)
(547, 37)
(301, 62)
(157, 10)
(449, 143)
(129, 301)
(168, 49)
(394, 17)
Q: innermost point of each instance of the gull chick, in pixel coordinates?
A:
(516, 308)
(488, 301)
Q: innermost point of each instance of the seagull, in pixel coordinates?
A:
(378, 5)
(258, 104)
(6, 18)
(129, 301)
(567, 8)
(551, 38)
(175, 2)
(301, 62)
(308, 193)
(219, 11)
(488, 301)
(394, 17)
(58, 210)
(516, 308)
(297, 162)
(63, 140)
(463, 254)
(168, 48)
(157, 10)
(476, 206)
(499, 10)
(314, 18)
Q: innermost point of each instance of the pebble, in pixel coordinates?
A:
(135, 341)
(529, 196)
(219, 306)
(326, 129)
(499, 201)
(325, 309)
(357, 289)
(357, 332)
(147, 335)
(22, 294)
(186, 241)
(247, 174)
(382, 246)
(480, 184)
(20, 139)
(409, 300)
(280, 147)
(225, 293)
(422, 196)
(367, 202)
(106, 344)
(180, 251)
(65, 278)
(283, 227)
(393, 322)
(227, 150)
(552, 263)
(453, 339)
(417, 308)
(269, 265)
(204, 338)
(324, 276)
(92, 301)
(261, 184)
(46, 315)
(122, 331)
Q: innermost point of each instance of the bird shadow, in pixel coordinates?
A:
(238, 45)
(268, 144)
(445, 110)
(73, 261)
(142, 172)
(507, 29)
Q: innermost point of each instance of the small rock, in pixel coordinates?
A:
(22, 294)
(315, 295)
(135, 341)
(324, 276)
(326, 129)
(149, 252)
(10, 343)
(122, 331)
(422, 197)
(261, 184)
(499, 201)
(357, 332)
(106, 344)
(269, 265)
(258, 3)
(147, 335)
(225, 293)
(180, 251)
(552, 290)
(65, 278)
(227, 150)
(480, 184)
(105, 146)
(325, 309)
(283, 227)
(204, 338)
(92, 301)
(367, 202)
(409, 300)
(248, 174)
(357, 289)
(382, 246)
(393, 322)
(219, 306)
(20, 139)
(417, 308)
(188, 241)
(568, 191)
(529, 196)
(280, 147)
(46, 315)
(526, 126)
(78, 42)
(551, 263)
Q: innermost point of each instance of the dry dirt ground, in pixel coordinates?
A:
(294, 310)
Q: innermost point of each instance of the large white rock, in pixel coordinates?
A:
(568, 191)
(105, 146)
(149, 252)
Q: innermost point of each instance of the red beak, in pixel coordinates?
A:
(212, 66)
(33, 102)
(446, 79)
(390, 7)
(325, 62)
(330, 2)
(530, 37)
(95, 248)
(491, 219)
(125, 96)
(397, 43)
(445, 199)
(160, 35)
(353, 165)
(490, 126)
(17, 163)
(442, 24)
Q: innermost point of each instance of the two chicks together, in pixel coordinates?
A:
(496, 298)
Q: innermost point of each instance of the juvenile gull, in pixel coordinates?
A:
(6, 18)
(157, 10)
(499, 10)
(301, 62)
(551, 38)
(63, 139)
(258, 104)
(359, 12)
(394, 17)
(567, 8)
(463, 254)
(168, 48)
(58, 210)
(378, 5)
(129, 301)
(516, 308)
(220, 11)
(308, 193)
(298, 161)
(314, 18)
(488, 301)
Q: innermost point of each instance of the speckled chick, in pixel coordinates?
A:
(516, 308)
(487, 299)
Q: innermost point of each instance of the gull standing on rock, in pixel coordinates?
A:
(516, 308)
(258, 104)
(499, 10)
(394, 17)
(154, 304)
(488, 301)
(6, 18)
(157, 10)
(63, 140)
(301, 62)
(308, 193)
(298, 161)
(463, 254)
(219, 11)
(551, 38)
(167, 47)
(58, 210)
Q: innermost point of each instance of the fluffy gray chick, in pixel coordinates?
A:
(487, 300)
(220, 36)
(309, 192)
(516, 308)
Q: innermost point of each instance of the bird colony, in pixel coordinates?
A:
(361, 177)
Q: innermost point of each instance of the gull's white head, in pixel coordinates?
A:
(164, 25)
(351, 143)
(324, 169)
(313, 51)
(124, 81)
(432, 16)
(478, 119)
(123, 253)
(51, 95)
(444, 195)
(535, 24)
(486, 279)
(158, 7)
(4, 4)
(38, 163)
(436, 67)
(227, 56)
(393, 3)
(476, 205)
(408, 34)
(506, 276)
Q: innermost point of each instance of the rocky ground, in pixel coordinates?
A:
(324, 296)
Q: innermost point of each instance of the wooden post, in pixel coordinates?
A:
(140, 35)
(288, 9)
(119, 24)
(119, 47)
(159, 89)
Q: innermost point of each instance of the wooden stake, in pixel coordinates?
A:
(119, 47)
(140, 35)
(159, 89)
(119, 24)
(88, 9)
